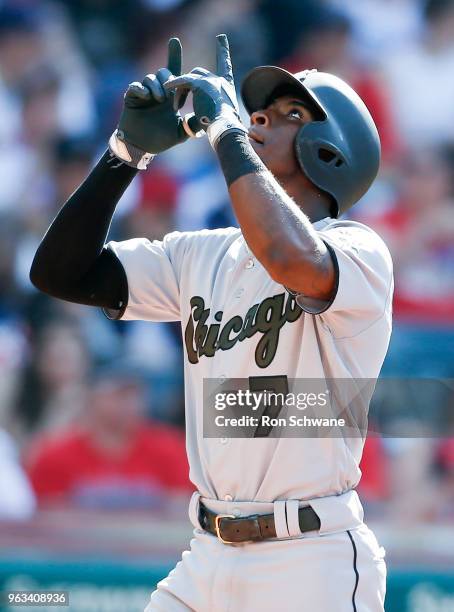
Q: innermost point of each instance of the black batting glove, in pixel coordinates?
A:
(151, 122)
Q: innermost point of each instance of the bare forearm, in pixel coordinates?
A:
(277, 231)
(274, 227)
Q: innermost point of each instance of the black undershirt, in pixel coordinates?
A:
(71, 262)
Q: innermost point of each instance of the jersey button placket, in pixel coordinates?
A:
(222, 378)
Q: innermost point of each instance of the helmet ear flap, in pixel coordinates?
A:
(326, 153)
(322, 156)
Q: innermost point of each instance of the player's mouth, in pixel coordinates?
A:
(254, 137)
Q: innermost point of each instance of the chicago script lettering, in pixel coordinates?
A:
(266, 318)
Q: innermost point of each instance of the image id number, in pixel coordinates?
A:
(37, 598)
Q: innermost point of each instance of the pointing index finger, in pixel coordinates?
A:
(223, 61)
(175, 55)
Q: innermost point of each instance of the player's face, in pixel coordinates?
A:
(272, 134)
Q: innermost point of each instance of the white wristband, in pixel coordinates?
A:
(128, 153)
(218, 128)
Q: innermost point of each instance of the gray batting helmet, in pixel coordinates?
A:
(340, 151)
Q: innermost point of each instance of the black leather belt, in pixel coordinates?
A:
(232, 530)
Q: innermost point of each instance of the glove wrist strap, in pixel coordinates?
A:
(188, 122)
(222, 126)
(129, 153)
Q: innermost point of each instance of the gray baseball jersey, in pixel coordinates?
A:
(237, 322)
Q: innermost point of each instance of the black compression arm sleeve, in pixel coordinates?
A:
(70, 262)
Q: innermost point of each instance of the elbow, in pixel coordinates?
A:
(283, 265)
(39, 277)
(311, 272)
(36, 276)
(284, 274)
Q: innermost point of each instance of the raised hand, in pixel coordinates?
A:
(150, 122)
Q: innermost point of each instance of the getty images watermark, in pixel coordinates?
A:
(275, 406)
(280, 407)
(266, 408)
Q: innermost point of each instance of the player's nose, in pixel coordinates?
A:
(261, 117)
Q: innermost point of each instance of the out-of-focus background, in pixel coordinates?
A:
(93, 473)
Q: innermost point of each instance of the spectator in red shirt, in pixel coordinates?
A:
(114, 458)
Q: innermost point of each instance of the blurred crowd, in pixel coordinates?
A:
(92, 411)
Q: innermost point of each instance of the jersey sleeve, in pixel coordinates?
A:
(364, 280)
(152, 270)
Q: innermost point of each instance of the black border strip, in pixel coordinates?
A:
(355, 557)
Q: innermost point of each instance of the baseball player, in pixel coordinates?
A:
(295, 293)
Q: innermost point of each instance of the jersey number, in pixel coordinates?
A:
(273, 384)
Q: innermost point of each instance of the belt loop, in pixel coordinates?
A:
(293, 524)
(280, 521)
(193, 510)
